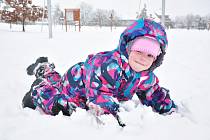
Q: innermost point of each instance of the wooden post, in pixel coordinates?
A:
(65, 19)
(111, 17)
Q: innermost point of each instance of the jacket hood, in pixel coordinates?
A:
(143, 27)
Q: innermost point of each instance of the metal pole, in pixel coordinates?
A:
(49, 18)
(163, 13)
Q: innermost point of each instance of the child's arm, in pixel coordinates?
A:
(158, 98)
(160, 101)
(100, 84)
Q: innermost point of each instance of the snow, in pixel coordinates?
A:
(185, 71)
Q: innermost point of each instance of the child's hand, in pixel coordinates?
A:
(95, 109)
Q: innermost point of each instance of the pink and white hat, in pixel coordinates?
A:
(148, 45)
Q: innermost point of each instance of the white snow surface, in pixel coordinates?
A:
(185, 71)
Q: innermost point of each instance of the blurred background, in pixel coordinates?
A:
(176, 14)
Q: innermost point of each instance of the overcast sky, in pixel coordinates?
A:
(128, 8)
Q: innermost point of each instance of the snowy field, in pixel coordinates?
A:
(185, 71)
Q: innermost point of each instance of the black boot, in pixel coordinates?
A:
(66, 111)
(30, 69)
(27, 101)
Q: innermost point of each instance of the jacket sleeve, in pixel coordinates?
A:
(157, 97)
(101, 82)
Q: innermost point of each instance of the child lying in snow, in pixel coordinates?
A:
(107, 78)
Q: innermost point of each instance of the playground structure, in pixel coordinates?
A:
(72, 16)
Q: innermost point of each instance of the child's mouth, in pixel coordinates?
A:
(140, 63)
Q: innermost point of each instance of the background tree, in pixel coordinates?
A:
(179, 22)
(102, 17)
(86, 12)
(143, 13)
(189, 21)
(20, 11)
(99, 17)
(58, 15)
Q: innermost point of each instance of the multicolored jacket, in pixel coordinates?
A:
(106, 77)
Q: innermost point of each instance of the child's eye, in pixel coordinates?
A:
(151, 56)
(139, 52)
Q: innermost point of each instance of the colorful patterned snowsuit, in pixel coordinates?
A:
(107, 76)
(46, 94)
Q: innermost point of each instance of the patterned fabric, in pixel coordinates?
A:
(47, 92)
(106, 78)
(159, 100)
(73, 86)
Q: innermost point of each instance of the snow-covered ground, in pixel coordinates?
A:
(185, 71)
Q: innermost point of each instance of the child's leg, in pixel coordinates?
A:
(73, 86)
(61, 104)
(58, 107)
(45, 97)
(28, 99)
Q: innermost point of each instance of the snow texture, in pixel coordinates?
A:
(185, 71)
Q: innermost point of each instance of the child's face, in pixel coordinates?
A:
(140, 61)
